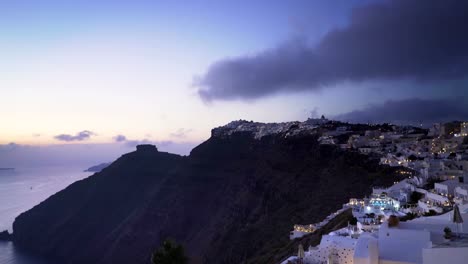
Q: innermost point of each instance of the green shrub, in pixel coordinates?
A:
(169, 253)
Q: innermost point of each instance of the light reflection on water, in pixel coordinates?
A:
(22, 189)
(11, 255)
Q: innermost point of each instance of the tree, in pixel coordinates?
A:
(430, 213)
(412, 157)
(447, 232)
(415, 197)
(431, 183)
(169, 253)
(408, 216)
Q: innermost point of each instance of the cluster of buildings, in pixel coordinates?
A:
(416, 220)
(260, 130)
(301, 230)
(427, 205)
(380, 237)
(422, 240)
(435, 159)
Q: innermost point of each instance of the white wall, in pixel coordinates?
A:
(402, 245)
(366, 251)
(342, 247)
(436, 197)
(445, 255)
(394, 262)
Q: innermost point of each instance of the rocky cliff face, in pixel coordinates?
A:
(233, 200)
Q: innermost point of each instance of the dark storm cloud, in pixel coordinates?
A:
(410, 111)
(80, 136)
(120, 138)
(422, 40)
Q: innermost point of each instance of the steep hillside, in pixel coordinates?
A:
(233, 200)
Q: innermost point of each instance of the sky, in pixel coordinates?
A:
(112, 74)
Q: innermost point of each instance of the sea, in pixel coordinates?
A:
(23, 188)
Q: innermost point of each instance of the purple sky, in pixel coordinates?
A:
(115, 73)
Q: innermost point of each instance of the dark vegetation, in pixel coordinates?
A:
(430, 213)
(452, 127)
(419, 130)
(448, 233)
(465, 140)
(415, 197)
(5, 236)
(169, 253)
(431, 183)
(452, 155)
(280, 253)
(342, 139)
(233, 200)
(361, 127)
(408, 216)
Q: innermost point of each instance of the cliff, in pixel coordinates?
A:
(233, 200)
(5, 236)
(97, 168)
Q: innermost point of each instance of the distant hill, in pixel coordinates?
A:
(234, 199)
(97, 168)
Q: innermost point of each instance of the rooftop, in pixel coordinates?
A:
(460, 241)
(263, 129)
(454, 183)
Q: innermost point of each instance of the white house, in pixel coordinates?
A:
(332, 249)
(447, 188)
(461, 195)
(301, 230)
(365, 150)
(433, 201)
(464, 129)
(420, 241)
(401, 244)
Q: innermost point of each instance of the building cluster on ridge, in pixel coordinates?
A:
(427, 205)
(260, 130)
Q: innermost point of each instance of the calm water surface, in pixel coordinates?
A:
(22, 189)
